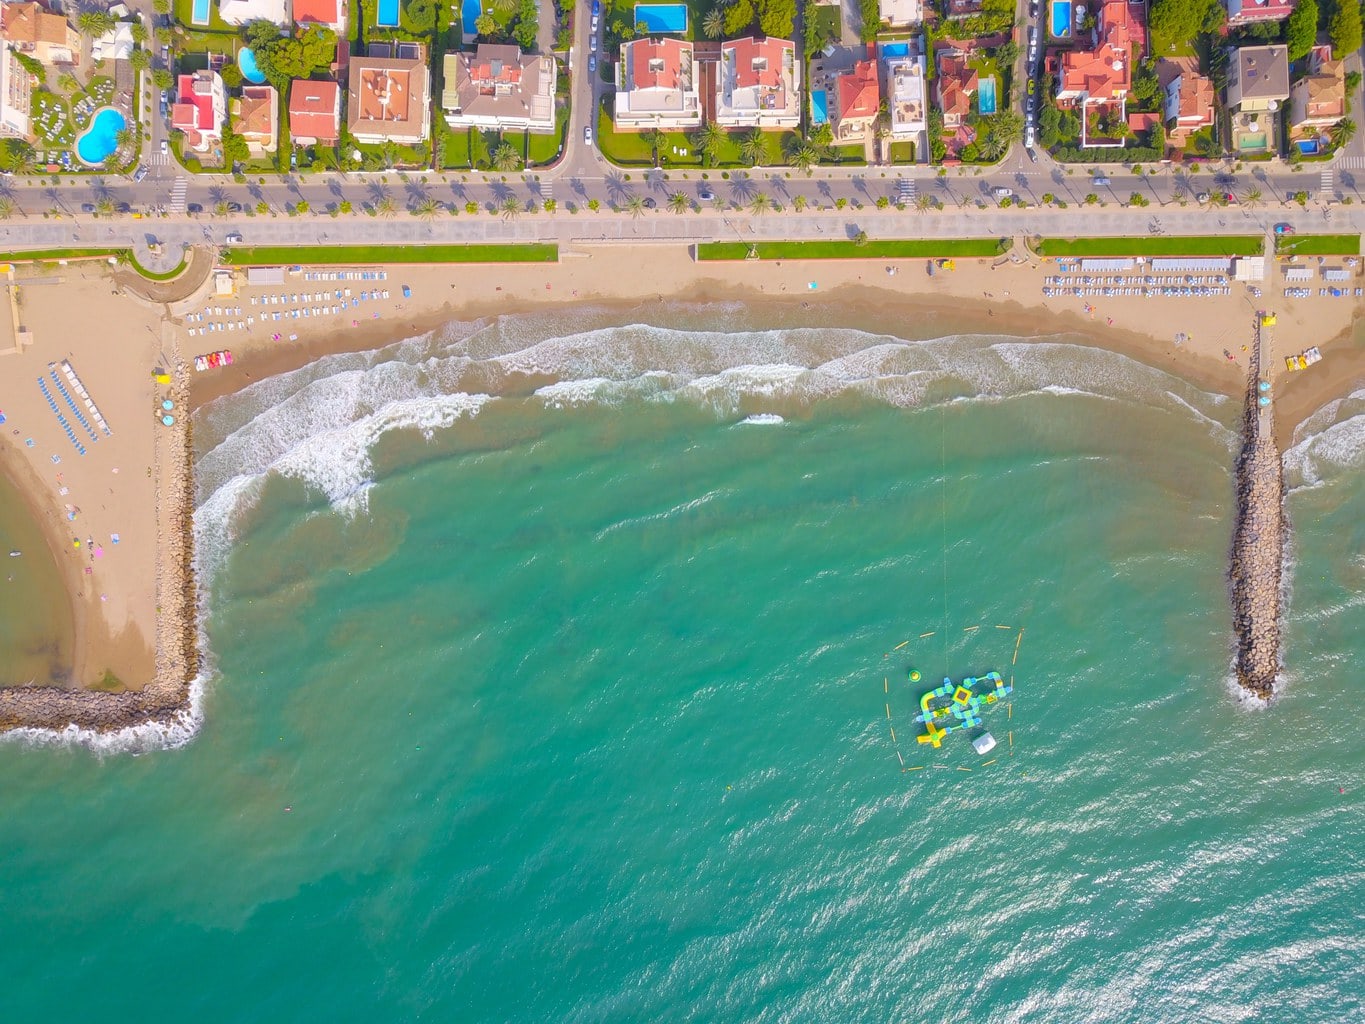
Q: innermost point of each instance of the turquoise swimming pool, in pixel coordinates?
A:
(469, 16)
(98, 142)
(386, 14)
(985, 96)
(1061, 19)
(664, 18)
(200, 12)
(246, 61)
(819, 109)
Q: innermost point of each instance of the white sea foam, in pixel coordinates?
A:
(762, 419)
(1335, 446)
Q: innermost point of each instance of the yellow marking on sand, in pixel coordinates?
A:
(888, 712)
(1017, 642)
(900, 645)
(893, 734)
(930, 633)
(991, 761)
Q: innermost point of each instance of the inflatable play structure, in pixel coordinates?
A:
(951, 707)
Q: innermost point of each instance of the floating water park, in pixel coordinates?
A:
(952, 707)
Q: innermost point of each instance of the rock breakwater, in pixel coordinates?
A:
(1258, 539)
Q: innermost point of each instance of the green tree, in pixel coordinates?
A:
(707, 141)
(1301, 30)
(421, 15)
(282, 58)
(655, 140)
(385, 207)
(161, 6)
(140, 59)
(235, 148)
(860, 239)
(777, 18)
(739, 15)
(344, 207)
(636, 205)
(679, 203)
(139, 32)
(428, 209)
(96, 23)
(594, 205)
(753, 146)
(231, 75)
(7, 208)
(511, 207)
(802, 155)
(1343, 132)
(1344, 28)
(302, 207)
(506, 157)
(104, 207)
(713, 25)
(162, 78)
(871, 17)
(1252, 197)
(1007, 53)
(527, 26)
(262, 208)
(1179, 20)
(799, 203)
(485, 26)
(760, 204)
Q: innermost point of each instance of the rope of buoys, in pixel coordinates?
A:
(962, 769)
(900, 759)
(900, 645)
(915, 768)
(888, 712)
(1004, 627)
(1009, 708)
(971, 629)
(990, 762)
(886, 684)
(1017, 642)
(893, 736)
(930, 633)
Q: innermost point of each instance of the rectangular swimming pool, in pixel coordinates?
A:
(889, 50)
(200, 13)
(1061, 19)
(386, 14)
(1308, 147)
(985, 96)
(469, 17)
(819, 112)
(663, 18)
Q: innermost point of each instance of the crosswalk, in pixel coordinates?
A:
(1325, 182)
(157, 159)
(177, 204)
(1352, 163)
(905, 191)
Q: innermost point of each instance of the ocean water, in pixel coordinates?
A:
(36, 628)
(550, 672)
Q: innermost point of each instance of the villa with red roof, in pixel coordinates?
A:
(1097, 80)
(498, 87)
(1187, 103)
(855, 102)
(1318, 99)
(656, 86)
(328, 13)
(388, 98)
(314, 112)
(200, 109)
(759, 84)
(256, 118)
(36, 32)
(957, 84)
(1250, 12)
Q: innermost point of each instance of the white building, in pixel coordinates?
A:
(759, 84)
(901, 13)
(656, 86)
(239, 12)
(15, 85)
(907, 97)
(116, 44)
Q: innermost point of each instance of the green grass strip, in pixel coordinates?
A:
(1154, 245)
(315, 255)
(52, 255)
(905, 248)
(1318, 245)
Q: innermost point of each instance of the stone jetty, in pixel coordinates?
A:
(1258, 537)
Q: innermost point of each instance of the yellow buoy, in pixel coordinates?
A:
(914, 675)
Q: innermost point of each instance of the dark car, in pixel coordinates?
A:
(234, 207)
(706, 195)
(194, 208)
(124, 207)
(1033, 8)
(87, 207)
(650, 203)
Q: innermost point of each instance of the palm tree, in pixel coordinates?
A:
(678, 202)
(7, 207)
(428, 209)
(511, 207)
(636, 205)
(803, 155)
(799, 203)
(506, 157)
(708, 142)
(1252, 196)
(104, 207)
(753, 145)
(923, 202)
(760, 204)
(220, 208)
(1343, 132)
(655, 140)
(126, 138)
(713, 25)
(384, 206)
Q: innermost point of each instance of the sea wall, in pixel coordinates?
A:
(165, 700)
(1258, 539)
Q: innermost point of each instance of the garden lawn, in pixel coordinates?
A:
(1158, 245)
(1318, 245)
(184, 15)
(316, 255)
(629, 149)
(905, 248)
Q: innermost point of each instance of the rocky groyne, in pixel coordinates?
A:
(1258, 537)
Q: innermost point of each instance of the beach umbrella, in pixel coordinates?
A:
(168, 420)
(168, 405)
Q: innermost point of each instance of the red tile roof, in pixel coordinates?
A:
(322, 12)
(956, 83)
(314, 110)
(192, 110)
(859, 95)
(758, 62)
(668, 56)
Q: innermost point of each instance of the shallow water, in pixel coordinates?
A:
(36, 630)
(568, 702)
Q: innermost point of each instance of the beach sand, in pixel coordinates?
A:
(135, 483)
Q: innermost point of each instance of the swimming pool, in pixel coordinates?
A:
(469, 14)
(670, 18)
(386, 14)
(1061, 19)
(985, 96)
(1308, 147)
(889, 50)
(819, 111)
(1253, 143)
(98, 142)
(246, 60)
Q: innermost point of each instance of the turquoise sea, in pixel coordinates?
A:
(550, 666)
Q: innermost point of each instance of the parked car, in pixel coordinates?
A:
(1100, 179)
(139, 174)
(123, 207)
(1284, 229)
(165, 147)
(1003, 192)
(1229, 198)
(1032, 86)
(233, 239)
(592, 62)
(234, 207)
(90, 208)
(587, 134)
(706, 195)
(194, 208)
(1033, 8)
(1202, 197)
(596, 7)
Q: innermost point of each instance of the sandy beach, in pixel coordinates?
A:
(116, 518)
